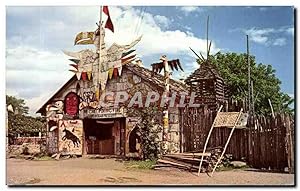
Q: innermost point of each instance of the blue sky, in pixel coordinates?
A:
(36, 36)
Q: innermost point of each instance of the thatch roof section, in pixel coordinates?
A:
(204, 72)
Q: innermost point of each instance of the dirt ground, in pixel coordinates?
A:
(84, 171)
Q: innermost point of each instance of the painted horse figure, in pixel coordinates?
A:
(69, 135)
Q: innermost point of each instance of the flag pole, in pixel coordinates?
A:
(100, 24)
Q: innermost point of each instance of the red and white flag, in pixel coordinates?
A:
(108, 23)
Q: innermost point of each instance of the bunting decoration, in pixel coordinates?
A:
(110, 73)
(174, 64)
(109, 25)
(78, 75)
(103, 76)
(89, 75)
(84, 76)
(115, 72)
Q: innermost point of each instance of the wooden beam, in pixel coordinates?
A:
(207, 139)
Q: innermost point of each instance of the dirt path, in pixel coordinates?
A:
(83, 171)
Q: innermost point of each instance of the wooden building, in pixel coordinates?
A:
(208, 86)
(78, 125)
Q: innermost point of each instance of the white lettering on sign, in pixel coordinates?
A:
(105, 113)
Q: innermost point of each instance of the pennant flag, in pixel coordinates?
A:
(128, 58)
(120, 70)
(78, 75)
(83, 76)
(74, 65)
(89, 75)
(110, 73)
(84, 38)
(115, 72)
(103, 76)
(76, 61)
(109, 25)
(127, 53)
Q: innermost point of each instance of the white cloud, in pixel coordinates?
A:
(259, 35)
(265, 36)
(155, 40)
(279, 42)
(162, 20)
(189, 9)
(31, 73)
(290, 30)
(36, 67)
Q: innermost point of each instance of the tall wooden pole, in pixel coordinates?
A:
(207, 23)
(249, 74)
(100, 46)
(252, 98)
(166, 112)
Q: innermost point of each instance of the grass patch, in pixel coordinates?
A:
(140, 164)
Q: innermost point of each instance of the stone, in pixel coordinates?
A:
(54, 155)
(238, 164)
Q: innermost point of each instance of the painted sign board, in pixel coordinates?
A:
(70, 136)
(104, 113)
(227, 119)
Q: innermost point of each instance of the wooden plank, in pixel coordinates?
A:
(175, 164)
(189, 154)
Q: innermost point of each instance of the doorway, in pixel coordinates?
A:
(104, 136)
(99, 136)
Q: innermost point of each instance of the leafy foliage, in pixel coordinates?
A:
(233, 68)
(17, 104)
(148, 130)
(19, 123)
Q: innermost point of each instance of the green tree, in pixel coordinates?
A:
(148, 129)
(233, 68)
(20, 123)
(17, 104)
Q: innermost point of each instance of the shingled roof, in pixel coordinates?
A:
(157, 79)
(144, 73)
(205, 71)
